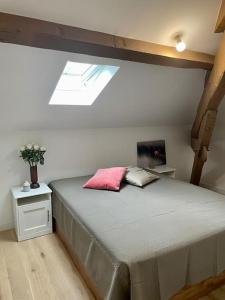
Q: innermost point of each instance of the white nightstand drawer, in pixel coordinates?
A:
(34, 219)
(32, 212)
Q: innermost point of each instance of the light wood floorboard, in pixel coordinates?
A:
(218, 294)
(38, 269)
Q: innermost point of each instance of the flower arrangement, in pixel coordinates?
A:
(33, 154)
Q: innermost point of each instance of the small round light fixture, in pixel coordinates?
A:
(180, 46)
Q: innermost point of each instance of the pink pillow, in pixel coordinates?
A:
(106, 179)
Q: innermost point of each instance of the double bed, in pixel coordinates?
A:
(142, 243)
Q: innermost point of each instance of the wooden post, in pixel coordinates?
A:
(205, 120)
(220, 24)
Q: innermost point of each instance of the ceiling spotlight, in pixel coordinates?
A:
(180, 46)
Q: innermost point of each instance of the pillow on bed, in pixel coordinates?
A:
(139, 177)
(106, 179)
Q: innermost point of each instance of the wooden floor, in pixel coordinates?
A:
(38, 269)
(218, 294)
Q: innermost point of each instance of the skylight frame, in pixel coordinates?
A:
(82, 87)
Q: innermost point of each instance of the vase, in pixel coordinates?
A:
(34, 177)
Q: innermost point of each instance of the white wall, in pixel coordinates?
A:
(81, 152)
(214, 169)
(138, 95)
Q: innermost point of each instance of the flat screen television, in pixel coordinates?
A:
(151, 154)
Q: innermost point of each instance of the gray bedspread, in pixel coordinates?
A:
(143, 244)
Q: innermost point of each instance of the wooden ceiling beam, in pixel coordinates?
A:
(220, 24)
(214, 89)
(205, 119)
(48, 35)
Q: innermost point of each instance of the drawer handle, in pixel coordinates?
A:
(48, 216)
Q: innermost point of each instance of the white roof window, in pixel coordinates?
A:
(81, 84)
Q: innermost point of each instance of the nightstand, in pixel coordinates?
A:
(163, 170)
(32, 212)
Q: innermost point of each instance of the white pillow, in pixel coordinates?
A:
(139, 177)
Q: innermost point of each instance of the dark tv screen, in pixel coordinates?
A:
(151, 154)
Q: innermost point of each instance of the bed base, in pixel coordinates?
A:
(193, 292)
(79, 266)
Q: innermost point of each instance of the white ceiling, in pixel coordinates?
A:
(138, 95)
(151, 20)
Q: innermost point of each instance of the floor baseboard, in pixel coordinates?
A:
(7, 226)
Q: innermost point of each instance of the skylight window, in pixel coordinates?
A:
(81, 84)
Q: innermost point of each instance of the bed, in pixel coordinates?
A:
(142, 243)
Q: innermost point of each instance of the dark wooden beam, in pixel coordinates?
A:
(220, 24)
(37, 33)
(214, 90)
(201, 145)
(205, 119)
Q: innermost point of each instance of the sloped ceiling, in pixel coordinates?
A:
(151, 20)
(138, 95)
